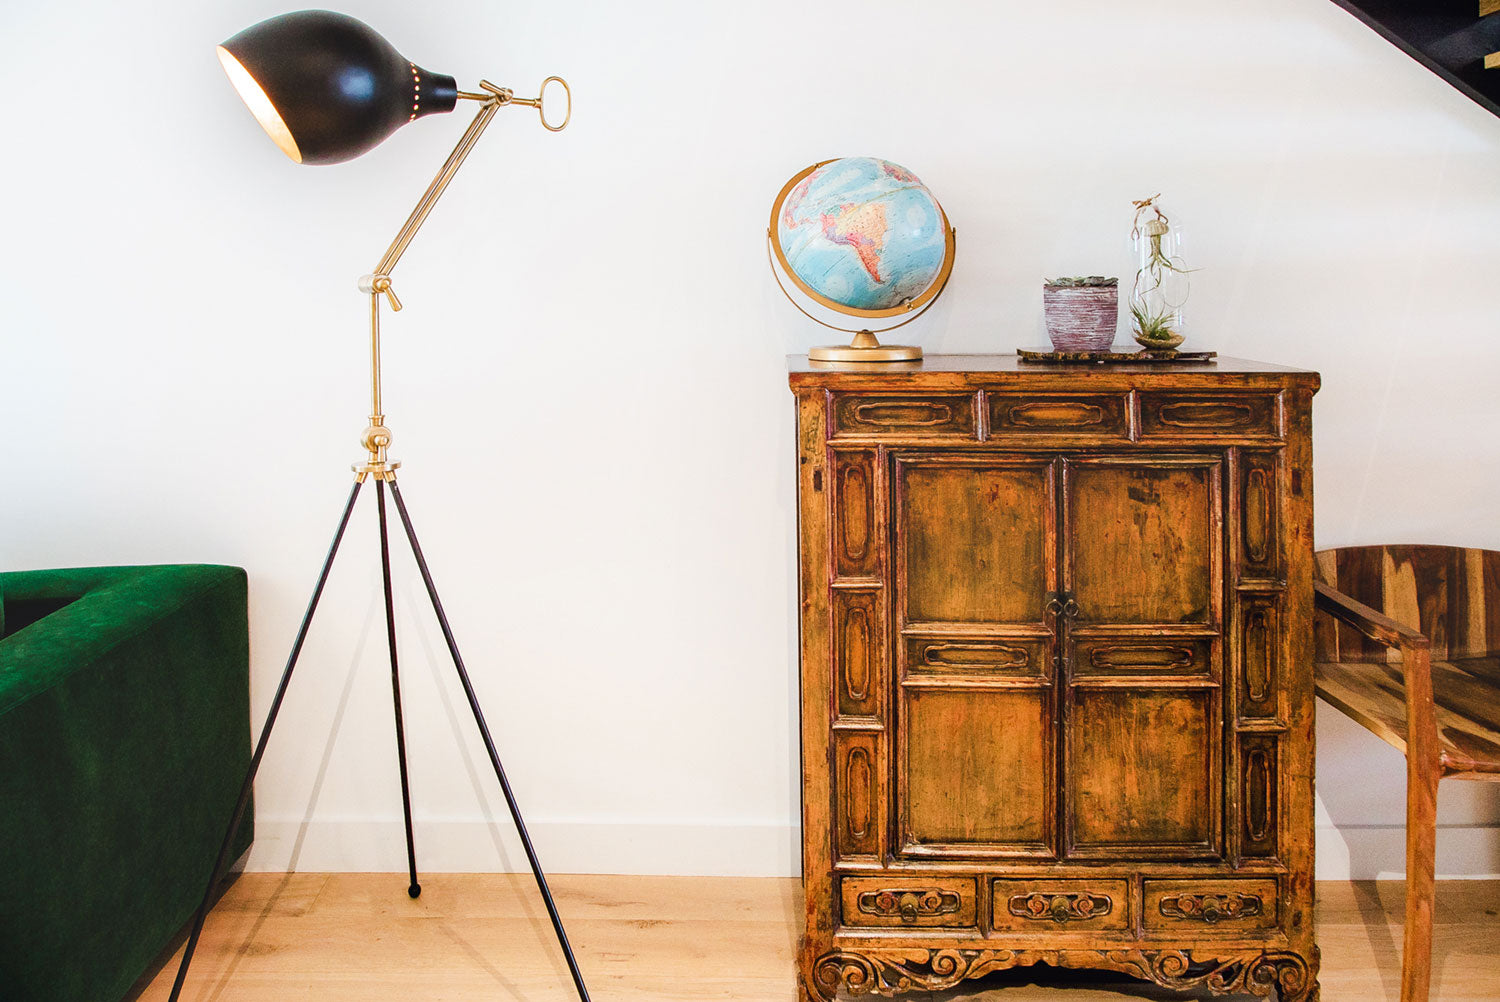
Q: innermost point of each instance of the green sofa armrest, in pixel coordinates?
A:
(124, 737)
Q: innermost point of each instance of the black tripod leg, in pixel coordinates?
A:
(260, 750)
(489, 746)
(414, 888)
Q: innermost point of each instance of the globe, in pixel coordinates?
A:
(862, 236)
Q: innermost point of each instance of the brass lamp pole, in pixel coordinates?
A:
(327, 88)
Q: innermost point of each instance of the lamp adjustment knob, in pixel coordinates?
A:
(380, 285)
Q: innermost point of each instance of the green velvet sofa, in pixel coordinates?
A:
(124, 737)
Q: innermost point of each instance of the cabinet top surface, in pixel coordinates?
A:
(960, 370)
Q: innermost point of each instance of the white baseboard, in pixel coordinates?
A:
(740, 850)
(1378, 852)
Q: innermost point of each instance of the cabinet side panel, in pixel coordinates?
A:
(816, 667)
(1296, 761)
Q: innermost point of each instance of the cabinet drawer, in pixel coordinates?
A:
(1100, 415)
(1177, 415)
(945, 416)
(910, 902)
(1226, 905)
(1110, 657)
(1050, 905)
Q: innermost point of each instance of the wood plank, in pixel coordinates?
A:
(1374, 695)
(358, 938)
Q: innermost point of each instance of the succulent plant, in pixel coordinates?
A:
(1082, 282)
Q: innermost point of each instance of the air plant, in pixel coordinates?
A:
(1153, 311)
(1155, 327)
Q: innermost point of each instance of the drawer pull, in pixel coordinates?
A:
(909, 905)
(1211, 908)
(1060, 908)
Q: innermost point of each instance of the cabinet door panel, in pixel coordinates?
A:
(975, 541)
(976, 771)
(1143, 541)
(1141, 770)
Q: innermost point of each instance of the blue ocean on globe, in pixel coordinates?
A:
(862, 232)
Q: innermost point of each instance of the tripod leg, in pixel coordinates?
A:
(260, 749)
(414, 888)
(489, 747)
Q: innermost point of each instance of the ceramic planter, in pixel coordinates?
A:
(1081, 318)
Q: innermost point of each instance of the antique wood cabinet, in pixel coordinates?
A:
(1057, 698)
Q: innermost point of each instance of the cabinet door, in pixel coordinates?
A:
(1142, 714)
(976, 546)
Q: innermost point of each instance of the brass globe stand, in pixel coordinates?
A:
(865, 347)
(378, 466)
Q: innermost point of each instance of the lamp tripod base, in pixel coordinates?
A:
(383, 473)
(865, 348)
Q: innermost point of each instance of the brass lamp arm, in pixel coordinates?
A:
(491, 100)
(377, 437)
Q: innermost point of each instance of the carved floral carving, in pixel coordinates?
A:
(888, 972)
(1211, 908)
(909, 904)
(1060, 908)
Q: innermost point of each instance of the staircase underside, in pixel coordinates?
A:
(1453, 38)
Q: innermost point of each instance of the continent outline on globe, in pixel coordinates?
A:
(862, 236)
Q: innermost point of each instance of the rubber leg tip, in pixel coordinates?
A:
(414, 891)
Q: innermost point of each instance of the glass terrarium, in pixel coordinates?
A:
(1161, 281)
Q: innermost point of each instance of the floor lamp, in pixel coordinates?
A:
(327, 88)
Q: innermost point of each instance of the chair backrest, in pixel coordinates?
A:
(1451, 594)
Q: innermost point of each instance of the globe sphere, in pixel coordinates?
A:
(862, 236)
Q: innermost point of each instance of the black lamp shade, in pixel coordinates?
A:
(326, 87)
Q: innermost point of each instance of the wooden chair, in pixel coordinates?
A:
(1409, 648)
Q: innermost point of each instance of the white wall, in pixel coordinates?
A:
(588, 384)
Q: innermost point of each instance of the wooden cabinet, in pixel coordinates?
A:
(1056, 673)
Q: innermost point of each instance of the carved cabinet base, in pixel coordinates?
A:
(887, 972)
(1056, 673)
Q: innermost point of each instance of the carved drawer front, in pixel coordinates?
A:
(935, 416)
(977, 657)
(1176, 415)
(911, 902)
(1051, 906)
(1101, 415)
(1111, 657)
(1221, 905)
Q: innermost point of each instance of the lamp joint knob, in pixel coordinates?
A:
(378, 285)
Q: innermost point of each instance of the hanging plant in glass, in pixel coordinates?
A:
(1161, 278)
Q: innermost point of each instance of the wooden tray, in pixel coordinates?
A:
(1138, 355)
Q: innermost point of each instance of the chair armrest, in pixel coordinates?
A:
(1376, 625)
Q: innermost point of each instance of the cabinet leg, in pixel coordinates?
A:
(806, 994)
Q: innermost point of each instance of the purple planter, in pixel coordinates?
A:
(1081, 318)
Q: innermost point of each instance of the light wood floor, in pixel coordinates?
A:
(338, 937)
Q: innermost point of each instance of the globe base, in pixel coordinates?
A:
(875, 353)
